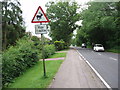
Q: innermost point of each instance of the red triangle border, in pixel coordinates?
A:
(40, 21)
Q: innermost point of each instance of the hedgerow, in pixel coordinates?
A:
(49, 50)
(17, 59)
(59, 45)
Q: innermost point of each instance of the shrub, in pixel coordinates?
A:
(59, 45)
(17, 59)
(49, 50)
(36, 40)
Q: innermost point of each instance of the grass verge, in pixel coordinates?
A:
(33, 77)
(57, 55)
(113, 50)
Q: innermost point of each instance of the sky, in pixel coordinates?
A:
(29, 7)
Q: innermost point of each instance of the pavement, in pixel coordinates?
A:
(75, 73)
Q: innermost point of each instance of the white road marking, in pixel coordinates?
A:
(108, 86)
(99, 54)
(105, 83)
(113, 58)
(80, 58)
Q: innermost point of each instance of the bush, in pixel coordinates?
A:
(49, 50)
(17, 59)
(59, 45)
(36, 40)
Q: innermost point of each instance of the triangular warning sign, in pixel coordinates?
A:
(40, 16)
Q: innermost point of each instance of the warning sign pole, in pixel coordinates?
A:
(40, 17)
(43, 56)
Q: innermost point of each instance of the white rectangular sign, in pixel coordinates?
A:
(40, 29)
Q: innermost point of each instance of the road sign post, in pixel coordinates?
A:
(40, 17)
(43, 55)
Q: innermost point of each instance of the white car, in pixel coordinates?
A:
(83, 45)
(98, 47)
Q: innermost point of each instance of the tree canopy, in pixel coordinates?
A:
(100, 24)
(63, 16)
(12, 22)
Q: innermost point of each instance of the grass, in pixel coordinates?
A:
(33, 77)
(113, 50)
(89, 46)
(56, 55)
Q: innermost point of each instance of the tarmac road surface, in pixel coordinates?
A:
(105, 63)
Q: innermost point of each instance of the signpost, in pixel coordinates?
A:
(40, 17)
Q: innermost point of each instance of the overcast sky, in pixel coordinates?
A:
(29, 8)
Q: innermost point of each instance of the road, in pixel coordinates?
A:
(105, 63)
(75, 73)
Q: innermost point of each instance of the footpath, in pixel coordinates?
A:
(75, 73)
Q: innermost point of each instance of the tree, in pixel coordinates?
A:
(99, 24)
(12, 22)
(63, 16)
(80, 38)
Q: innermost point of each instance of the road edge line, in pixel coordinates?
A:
(95, 71)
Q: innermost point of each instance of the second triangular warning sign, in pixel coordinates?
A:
(40, 16)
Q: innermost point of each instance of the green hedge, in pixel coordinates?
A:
(59, 45)
(17, 59)
(49, 50)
